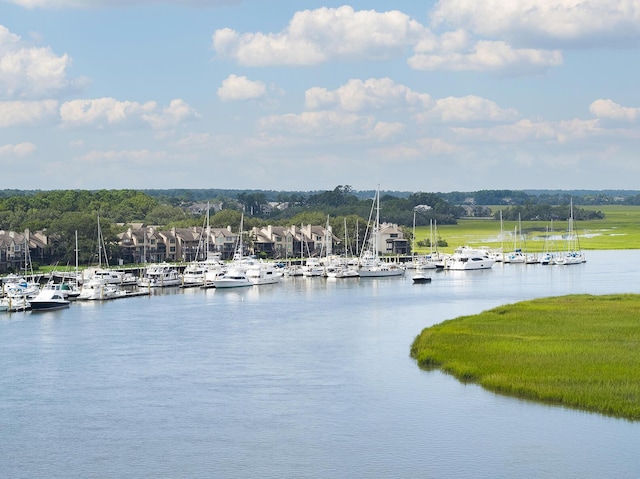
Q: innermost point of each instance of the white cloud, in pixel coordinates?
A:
(109, 111)
(240, 88)
(384, 131)
(136, 158)
(528, 130)
(31, 72)
(608, 109)
(26, 112)
(372, 94)
(484, 56)
(328, 125)
(467, 109)
(18, 150)
(316, 36)
(585, 21)
(102, 111)
(176, 113)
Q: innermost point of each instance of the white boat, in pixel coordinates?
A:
(260, 272)
(96, 290)
(572, 253)
(50, 297)
(341, 271)
(204, 271)
(160, 275)
(465, 258)
(312, 268)
(15, 285)
(102, 272)
(109, 276)
(236, 274)
(200, 273)
(371, 266)
(421, 277)
(517, 255)
(235, 277)
(12, 304)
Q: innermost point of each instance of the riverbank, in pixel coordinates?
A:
(580, 351)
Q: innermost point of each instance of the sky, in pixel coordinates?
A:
(422, 96)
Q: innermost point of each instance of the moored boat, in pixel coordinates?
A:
(50, 297)
(465, 258)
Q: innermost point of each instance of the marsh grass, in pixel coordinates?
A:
(620, 229)
(580, 351)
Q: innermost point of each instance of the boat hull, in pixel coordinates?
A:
(231, 283)
(379, 273)
(48, 305)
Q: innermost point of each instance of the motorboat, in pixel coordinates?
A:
(16, 285)
(235, 277)
(50, 297)
(160, 275)
(97, 290)
(12, 304)
(200, 273)
(465, 258)
(261, 272)
(421, 278)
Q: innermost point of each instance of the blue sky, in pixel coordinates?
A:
(449, 95)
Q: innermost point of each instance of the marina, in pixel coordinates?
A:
(309, 377)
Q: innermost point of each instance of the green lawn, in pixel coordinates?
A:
(620, 229)
(580, 351)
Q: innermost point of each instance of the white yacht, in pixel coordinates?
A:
(261, 272)
(235, 277)
(160, 275)
(465, 258)
(98, 290)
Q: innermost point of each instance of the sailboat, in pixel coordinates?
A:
(236, 274)
(371, 266)
(572, 253)
(421, 265)
(204, 271)
(516, 256)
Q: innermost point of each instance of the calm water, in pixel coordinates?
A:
(310, 378)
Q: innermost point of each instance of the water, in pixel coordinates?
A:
(310, 378)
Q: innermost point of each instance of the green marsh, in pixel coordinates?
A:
(579, 351)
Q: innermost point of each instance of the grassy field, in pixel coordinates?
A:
(620, 229)
(580, 351)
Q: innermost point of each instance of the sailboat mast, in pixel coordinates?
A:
(76, 258)
(208, 234)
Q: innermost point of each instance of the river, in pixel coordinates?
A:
(310, 378)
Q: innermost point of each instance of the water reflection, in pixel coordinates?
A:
(307, 378)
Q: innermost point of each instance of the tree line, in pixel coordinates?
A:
(60, 213)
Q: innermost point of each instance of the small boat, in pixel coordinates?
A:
(49, 298)
(421, 278)
(12, 304)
